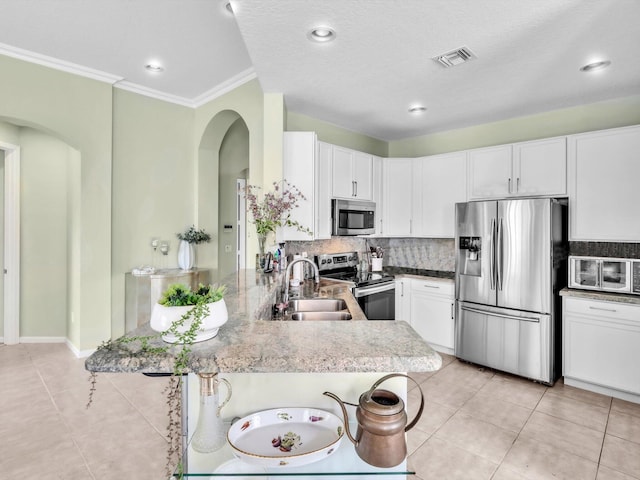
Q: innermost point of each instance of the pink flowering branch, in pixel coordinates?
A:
(274, 210)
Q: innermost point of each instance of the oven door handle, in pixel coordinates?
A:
(364, 291)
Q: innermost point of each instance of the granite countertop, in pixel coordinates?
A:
(604, 296)
(418, 272)
(251, 342)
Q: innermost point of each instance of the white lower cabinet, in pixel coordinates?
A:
(427, 305)
(403, 299)
(601, 347)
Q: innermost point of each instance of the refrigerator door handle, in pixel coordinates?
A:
(492, 255)
(499, 254)
(501, 315)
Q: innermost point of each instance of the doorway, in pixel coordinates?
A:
(11, 239)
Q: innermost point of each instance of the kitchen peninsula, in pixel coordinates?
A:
(274, 363)
(250, 342)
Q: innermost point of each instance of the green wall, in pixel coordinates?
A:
(584, 118)
(329, 133)
(212, 121)
(153, 176)
(44, 266)
(76, 110)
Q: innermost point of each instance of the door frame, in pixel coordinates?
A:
(11, 243)
(241, 224)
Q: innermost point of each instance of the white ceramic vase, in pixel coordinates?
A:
(162, 318)
(186, 255)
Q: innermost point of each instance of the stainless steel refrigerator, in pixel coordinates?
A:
(510, 265)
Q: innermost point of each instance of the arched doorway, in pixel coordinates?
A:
(41, 183)
(223, 156)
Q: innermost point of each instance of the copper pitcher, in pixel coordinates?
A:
(382, 422)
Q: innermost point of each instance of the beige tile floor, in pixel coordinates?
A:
(477, 424)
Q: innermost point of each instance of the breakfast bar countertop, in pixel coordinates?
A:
(251, 342)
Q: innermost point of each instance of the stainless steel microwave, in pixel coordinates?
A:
(606, 274)
(353, 217)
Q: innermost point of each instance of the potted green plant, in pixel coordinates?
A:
(186, 250)
(196, 316)
(179, 309)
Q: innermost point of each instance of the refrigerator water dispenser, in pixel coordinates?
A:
(470, 256)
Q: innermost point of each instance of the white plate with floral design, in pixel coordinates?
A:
(286, 437)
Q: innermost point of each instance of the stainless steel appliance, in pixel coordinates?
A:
(352, 217)
(374, 291)
(621, 275)
(510, 265)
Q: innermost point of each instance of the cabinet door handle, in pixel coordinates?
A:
(509, 184)
(356, 185)
(402, 289)
(518, 184)
(431, 286)
(604, 309)
(452, 311)
(353, 188)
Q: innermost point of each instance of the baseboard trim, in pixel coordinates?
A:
(76, 352)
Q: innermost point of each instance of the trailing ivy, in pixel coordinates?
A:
(176, 295)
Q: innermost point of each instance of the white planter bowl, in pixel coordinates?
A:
(162, 318)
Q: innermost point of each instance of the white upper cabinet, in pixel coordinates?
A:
(522, 169)
(489, 172)
(540, 167)
(440, 181)
(376, 194)
(352, 176)
(305, 165)
(604, 168)
(397, 174)
(323, 191)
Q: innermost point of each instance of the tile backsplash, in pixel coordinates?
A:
(605, 249)
(438, 253)
(422, 253)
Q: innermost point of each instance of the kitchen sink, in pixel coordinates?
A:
(320, 316)
(317, 305)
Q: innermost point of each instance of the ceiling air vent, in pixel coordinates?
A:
(455, 57)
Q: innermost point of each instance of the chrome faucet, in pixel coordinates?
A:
(316, 273)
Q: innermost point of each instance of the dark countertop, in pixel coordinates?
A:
(604, 296)
(419, 272)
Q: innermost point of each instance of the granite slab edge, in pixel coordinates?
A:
(603, 296)
(250, 343)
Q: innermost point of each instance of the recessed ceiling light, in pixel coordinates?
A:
(154, 67)
(594, 66)
(322, 34)
(417, 109)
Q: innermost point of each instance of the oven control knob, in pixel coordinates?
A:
(329, 260)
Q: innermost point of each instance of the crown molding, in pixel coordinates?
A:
(150, 92)
(225, 87)
(119, 82)
(57, 64)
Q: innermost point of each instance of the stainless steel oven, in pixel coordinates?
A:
(377, 301)
(374, 291)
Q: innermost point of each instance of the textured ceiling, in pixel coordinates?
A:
(529, 53)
